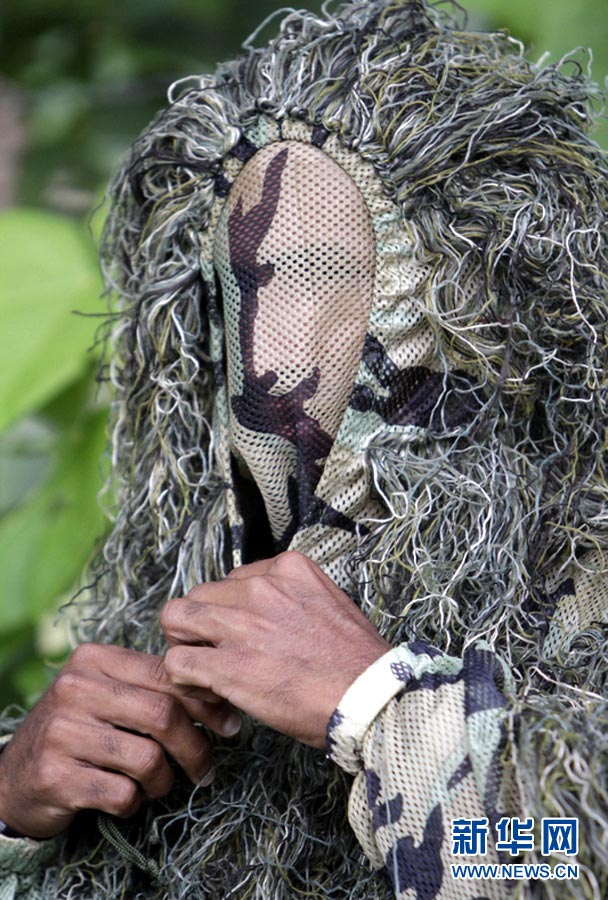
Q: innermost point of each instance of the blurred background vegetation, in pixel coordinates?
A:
(78, 80)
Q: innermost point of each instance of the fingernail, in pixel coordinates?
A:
(209, 778)
(232, 725)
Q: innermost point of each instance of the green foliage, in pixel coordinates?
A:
(554, 28)
(95, 73)
(48, 272)
(50, 516)
(46, 539)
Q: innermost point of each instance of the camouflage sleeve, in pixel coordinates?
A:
(424, 734)
(23, 863)
(432, 738)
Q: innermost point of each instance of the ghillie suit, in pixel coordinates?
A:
(450, 212)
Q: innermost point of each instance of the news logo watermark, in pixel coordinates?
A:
(512, 836)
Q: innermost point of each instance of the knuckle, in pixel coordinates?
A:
(97, 790)
(290, 561)
(192, 609)
(85, 656)
(48, 775)
(178, 661)
(111, 742)
(125, 798)
(158, 672)
(258, 586)
(171, 662)
(168, 614)
(184, 609)
(67, 684)
(164, 715)
(56, 731)
(150, 760)
(123, 688)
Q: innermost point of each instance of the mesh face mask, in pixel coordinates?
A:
(295, 254)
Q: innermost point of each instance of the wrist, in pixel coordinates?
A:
(373, 690)
(7, 823)
(9, 827)
(328, 693)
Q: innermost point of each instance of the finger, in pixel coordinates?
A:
(90, 788)
(288, 564)
(107, 747)
(186, 621)
(196, 699)
(146, 671)
(205, 624)
(165, 719)
(109, 792)
(217, 593)
(219, 715)
(259, 567)
(130, 666)
(202, 667)
(222, 671)
(153, 713)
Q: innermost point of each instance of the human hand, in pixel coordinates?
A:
(285, 643)
(72, 751)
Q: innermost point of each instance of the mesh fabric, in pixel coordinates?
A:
(295, 255)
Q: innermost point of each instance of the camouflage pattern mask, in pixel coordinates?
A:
(295, 255)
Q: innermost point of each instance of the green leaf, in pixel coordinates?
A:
(21, 533)
(25, 450)
(16, 648)
(45, 543)
(71, 508)
(48, 271)
(31, 678)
